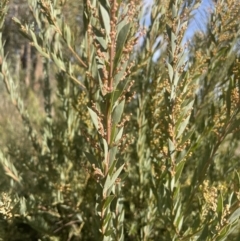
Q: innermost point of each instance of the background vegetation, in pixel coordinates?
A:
(113, 128)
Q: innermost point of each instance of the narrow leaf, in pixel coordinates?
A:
(171, 147)
(121, 39)
(112, 153)
(179, 169)
(220, 206)
(106, 19)
(170, 72)
(183, 126)
(105, 145)
(94, 118)
(117, 112)
(108, 201)
(119, 135)
(106, 219)
(112, 180)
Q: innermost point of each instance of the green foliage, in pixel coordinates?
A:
(128, 133)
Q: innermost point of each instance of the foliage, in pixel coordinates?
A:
(131, 134)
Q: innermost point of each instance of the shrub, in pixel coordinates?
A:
(132, 133)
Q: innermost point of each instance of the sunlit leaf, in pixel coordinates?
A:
(106, 19)
(94, 118)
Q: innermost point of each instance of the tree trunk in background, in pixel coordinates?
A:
(38, 72)
(27, 58)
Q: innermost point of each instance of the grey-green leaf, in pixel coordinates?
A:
(117, 112)
(119, 135)
(121, 39)
(183, 126)
(108, 184)
(106, 19)
(94, 117)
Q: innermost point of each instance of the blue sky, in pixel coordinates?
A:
(198, 22)
(200, 19)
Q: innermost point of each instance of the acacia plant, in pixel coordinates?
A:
(136, 133)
